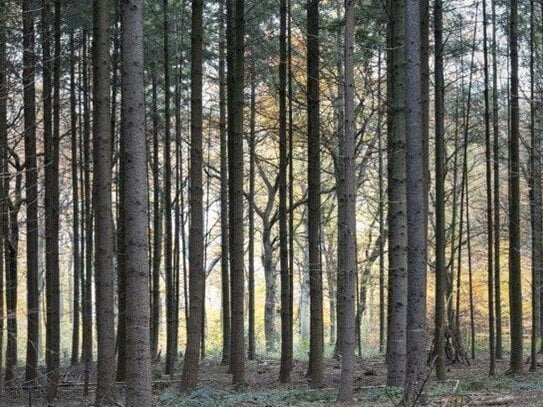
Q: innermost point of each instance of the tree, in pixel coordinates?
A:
(31, 188)
(286, 295)
(515, 289)
(134, 156)
(4, 185)
(440, 171)
(75, 206)
(490, 230)
(104, 233)
(196, 235)
(349, 227)
(235, 30)
(314, 192)
(397, 222)
(171, 289)
(496, 189)
(536, 198)
(51, 106)
(416, 206)
(225, 280)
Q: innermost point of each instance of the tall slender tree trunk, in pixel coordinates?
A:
(536, 197)
(171, 292)
(87, 220)
(349, 227)
(290, 164)
(235, 32)
(496, 189)
(286, 295)
(251, 249)
(340, 186)
(314, 199)
(515, 287)
(489, 208)
(51, 145)
(134, 155)
(31, 187)
(189, 378)
(225, 279)
(380, 147)
(76, 310)
(157, 225)
(104, 233)
(416, 206)
(397, 221)
(4, 184)
(439, 336)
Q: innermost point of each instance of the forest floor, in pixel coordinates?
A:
(467, 385)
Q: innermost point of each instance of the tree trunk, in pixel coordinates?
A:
(138, 361)
(4, 185)
(496, 188)
(189, 378)
(397, 221)
(104, 233)
(251, 248)
(515, 288)
(439, 338)
(340, 186)
(489, 208)
(157, 226)
(88, 221)
(51, 145)
(171, 292)
(314, 199)
(349, 227)
(416, 207)
(286, 295)
(225, 279)
(235, 68)
(31, 187)
(76, 310)
(536, 198)
(382, 301)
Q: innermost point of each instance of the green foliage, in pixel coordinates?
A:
(206, 396)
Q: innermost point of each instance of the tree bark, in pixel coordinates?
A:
(536, 197)
(286, 295)
(314, 199)
(397, 221)
(416, 206)
(4, 185)
(515, 287)
(496, 189)
(104, 233)
(171, 291)
(189, 378)
(235, 32)
(349, 227)
(76, 310)
(490, 218)
(31, 187)
(439, 338)
(225, 278)
(138, 361)
(251, 249)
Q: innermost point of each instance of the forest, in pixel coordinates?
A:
(271, 202)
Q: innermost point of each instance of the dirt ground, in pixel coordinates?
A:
(465, 386)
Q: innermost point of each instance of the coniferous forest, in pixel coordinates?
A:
(272, 203)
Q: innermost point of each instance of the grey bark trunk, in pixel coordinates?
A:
(104, 231)
(134, 156)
